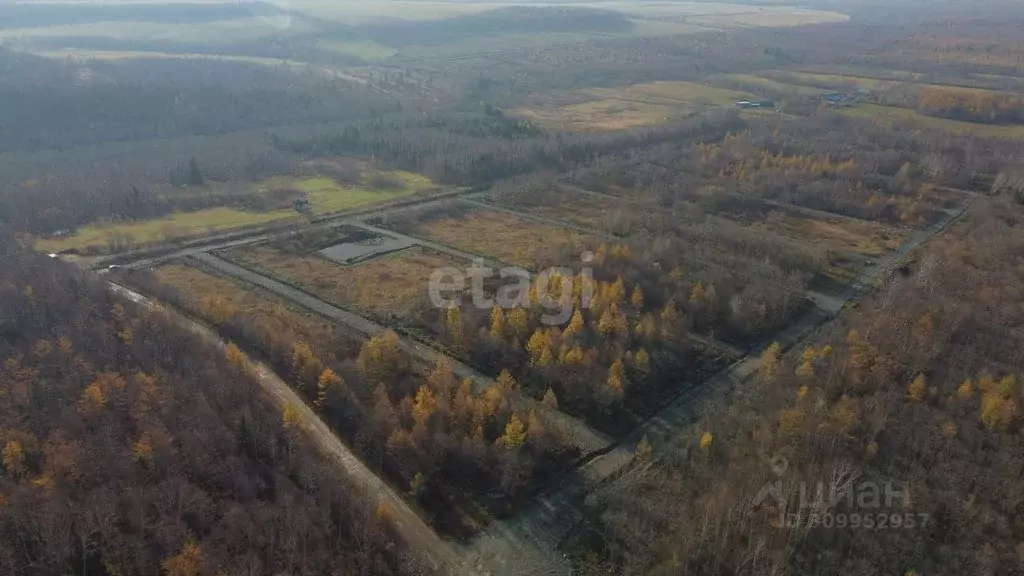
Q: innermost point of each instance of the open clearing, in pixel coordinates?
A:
(586, 210)
(499, 235)
(212, 297)
(850, 243)
(392, 284)
(325, 196)
(628, 106)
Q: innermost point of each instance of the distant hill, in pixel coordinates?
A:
(508, 20)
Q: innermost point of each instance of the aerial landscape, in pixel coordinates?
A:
(430, 287)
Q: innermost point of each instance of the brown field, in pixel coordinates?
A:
(851, 243)
(627, 106)
(505, 237)
(840, 234)
(391, 284)
(209, 296)
(581, 209)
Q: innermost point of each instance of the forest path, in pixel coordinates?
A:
(438, 554)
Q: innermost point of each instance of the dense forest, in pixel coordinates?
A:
(129, 447)
(919, 386)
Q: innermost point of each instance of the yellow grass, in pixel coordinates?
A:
(389, 284)
(327, 196)
(890, 115)
(502, 236)
(672, 93)
(630, 106)
(176, 226)
(209, 296)
(602, 115)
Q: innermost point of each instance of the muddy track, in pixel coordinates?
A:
(439, 555)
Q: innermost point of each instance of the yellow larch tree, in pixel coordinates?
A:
(515, 433)
(497, 322)
(233, 354)
(424, 405)
(515, 319)
(575, 326)
(187, 562)
(917, 389)
(328, 381)
(616, 377)
(771, 359)
(636, 300)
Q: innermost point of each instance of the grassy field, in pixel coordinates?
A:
(828, 81)
(325, 195)
(628, 106)
(173, 227)
(753, 82)
(502, 236)
(892, 115)
(211, 297)
(585, 210)
(391, 284)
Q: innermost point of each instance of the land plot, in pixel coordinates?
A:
(599, 109)
(850, 243)
(572, 206)
(391, 285)
(215, 298)
(505, 237)
(331, 185)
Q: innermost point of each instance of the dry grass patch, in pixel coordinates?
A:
(572, 205)
(623, 107)
(216, 298)
(392, 284)
(502, 236)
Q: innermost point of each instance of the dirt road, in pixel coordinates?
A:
(528, 543)
(438, 554)
(577, 433)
